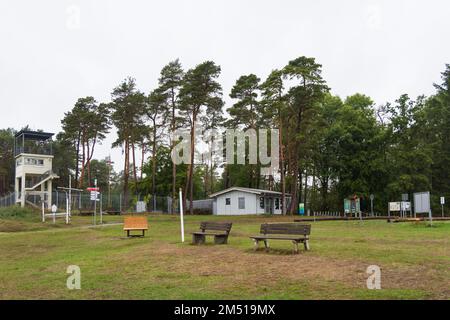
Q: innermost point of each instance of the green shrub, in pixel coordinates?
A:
(17, 212)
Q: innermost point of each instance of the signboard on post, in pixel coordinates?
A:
(94, 195)
(346, 206)
(422, 203)
(405, 206)
(442, 200)
(394, 206)
(301, 209)
(141, 206)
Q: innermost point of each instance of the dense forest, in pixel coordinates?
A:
(330, 147)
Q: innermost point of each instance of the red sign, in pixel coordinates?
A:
(93, 189)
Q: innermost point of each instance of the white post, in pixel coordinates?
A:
(181, 215)
(95, 202)
(54, 216)
(101, 211)
(43, 211)
(70, 197)
(67, 209)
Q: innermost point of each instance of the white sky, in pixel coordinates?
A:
(48, 60)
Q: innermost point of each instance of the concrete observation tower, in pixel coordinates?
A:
(34, 175)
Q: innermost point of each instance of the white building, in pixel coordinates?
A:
(240, 201)
(34, 175)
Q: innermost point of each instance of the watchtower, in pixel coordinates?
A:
(34, 157)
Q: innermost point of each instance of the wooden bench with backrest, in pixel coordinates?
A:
(295, 232)
(220, 231)
(138, 223)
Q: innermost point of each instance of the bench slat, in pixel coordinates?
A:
(285, 228)
(209, 232)
(279, 238)
(135, 223)
(221, 226)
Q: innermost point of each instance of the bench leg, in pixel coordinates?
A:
(220, 239)
(128, 233)
(306, 244)
(256, 244)
(266, 244)
(295, 246)
(143, 233)
(198, 239)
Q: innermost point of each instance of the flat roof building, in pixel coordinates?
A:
(242, 201)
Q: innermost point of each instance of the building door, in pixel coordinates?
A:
(269, 205)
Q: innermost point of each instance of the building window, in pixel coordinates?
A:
(241, 203)
(277, 203)
(34, 162)
(261, 202)
(227, 201)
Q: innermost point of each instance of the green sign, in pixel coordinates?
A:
(301, 208)
(347, 205)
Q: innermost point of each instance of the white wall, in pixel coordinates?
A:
(233, 208)
(33, 169)
(251, 204)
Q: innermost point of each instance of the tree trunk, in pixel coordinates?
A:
(211, 170)
(174, 166)
(126, 172)
(305, 194)
(142, 158)
(77, 161)
(191, 167)
(134, 168)
(283, 183)
(154, 167)
(294, 200)
(88, 164)
(82, 163)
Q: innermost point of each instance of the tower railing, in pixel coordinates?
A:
(42, 149)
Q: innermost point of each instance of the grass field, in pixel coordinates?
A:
(414, 261)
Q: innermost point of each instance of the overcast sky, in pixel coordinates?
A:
(53, 52)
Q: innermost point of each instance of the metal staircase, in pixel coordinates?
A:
(42, 179)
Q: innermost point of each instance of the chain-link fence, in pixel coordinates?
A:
(114, 203)
(8, 200)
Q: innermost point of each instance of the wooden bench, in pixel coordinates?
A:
(220, 231)
(295, 232)
(135, 224)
